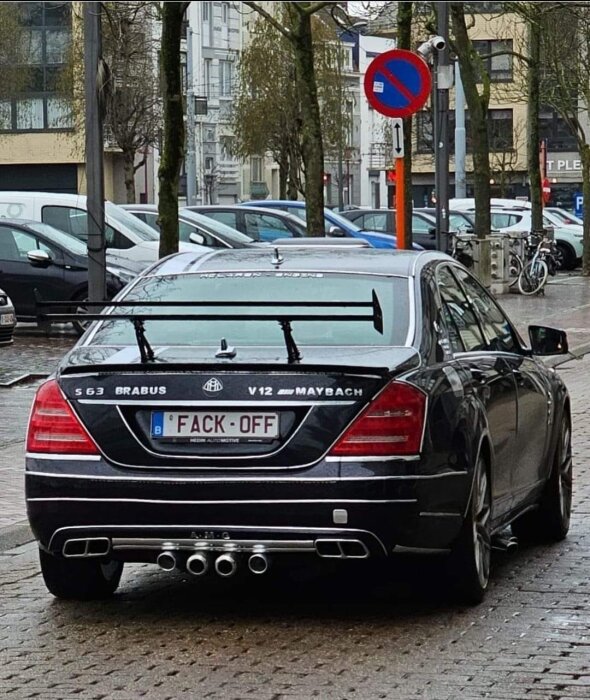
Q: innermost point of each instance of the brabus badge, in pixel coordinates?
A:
(212, 386)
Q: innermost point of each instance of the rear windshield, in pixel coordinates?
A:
(392, 293)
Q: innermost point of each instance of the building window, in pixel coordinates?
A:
(256, 169)
(225, 12)
(497, 58)
(206, 11)
(39, 105)
(225, 78)
(553, 128)
(500, 131)
(226, 144)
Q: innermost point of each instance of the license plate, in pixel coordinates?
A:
(6, 319)
(214, 425)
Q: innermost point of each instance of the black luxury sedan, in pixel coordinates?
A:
(38, 261)
(247, 405)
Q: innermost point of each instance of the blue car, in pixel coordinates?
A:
(335, 224)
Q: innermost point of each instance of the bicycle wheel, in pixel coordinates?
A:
(514, 268)
(533, 277)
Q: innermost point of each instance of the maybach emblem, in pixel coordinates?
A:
(212, 386)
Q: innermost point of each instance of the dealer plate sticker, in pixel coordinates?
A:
(214, 425)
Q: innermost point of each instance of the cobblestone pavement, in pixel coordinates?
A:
(357, 633)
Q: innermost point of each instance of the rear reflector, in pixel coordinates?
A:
(54, 427)
(392, 424)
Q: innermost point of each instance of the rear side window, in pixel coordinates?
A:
(75, 221)
(229, 218)
(463, 328)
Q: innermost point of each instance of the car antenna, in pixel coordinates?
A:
(225, 350)
(278, 259)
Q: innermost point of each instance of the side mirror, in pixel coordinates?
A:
(336, 232)
(196, 238)
(548, 341)
(432, 232)
(39, 258)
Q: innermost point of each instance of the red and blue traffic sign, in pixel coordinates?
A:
(397, 83)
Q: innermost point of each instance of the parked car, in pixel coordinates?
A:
(458, 220)
(567, 217)
(194, 228)
(36, 258)
(341, 405)
(133, 240)
(260, 224)
(514, 216)
(335, 224)
(7, 318)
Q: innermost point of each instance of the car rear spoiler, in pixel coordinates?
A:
(284, 319)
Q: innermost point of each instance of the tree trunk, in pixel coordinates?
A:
(404, 41)
(283, 161)
(293, 184)
(173, 148)
(311, 137)
(585, 154)
(129, 175)
(533, 90)
(478, 108)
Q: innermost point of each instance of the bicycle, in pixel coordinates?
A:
(461, 248)
(533, 276)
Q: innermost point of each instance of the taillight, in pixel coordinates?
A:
(54, 427)
(392, 424)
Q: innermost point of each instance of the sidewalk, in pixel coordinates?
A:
(566, 305)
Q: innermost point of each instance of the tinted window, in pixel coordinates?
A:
(60, 238)
(16, 243)
(375, 222)
(420, 225)
(266, 227)
(75, 222)
(264, 286)
(462, 324)
(229, 218)
(496, 326)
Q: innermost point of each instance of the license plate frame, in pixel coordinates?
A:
(214, 426)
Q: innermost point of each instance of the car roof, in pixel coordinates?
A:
(241, 207)
(296, 203)
(350, 260)
(22, 222)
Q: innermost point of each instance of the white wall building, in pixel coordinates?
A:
(214, 28)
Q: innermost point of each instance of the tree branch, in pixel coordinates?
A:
(285, 31)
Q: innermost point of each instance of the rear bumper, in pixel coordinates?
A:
(384, 512)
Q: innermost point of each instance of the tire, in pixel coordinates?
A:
(80, 579)
(469, 561)
(533, 277)
(566, 258)
(550, 522)
(515, 268)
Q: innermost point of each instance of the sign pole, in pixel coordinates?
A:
(400, 213)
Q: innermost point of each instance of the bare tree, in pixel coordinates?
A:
(299, 34)
(16, 48)
(134, 104)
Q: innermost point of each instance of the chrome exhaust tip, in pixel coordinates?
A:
(226, 565)
(166, 561)
(197, 564)
(258, 563)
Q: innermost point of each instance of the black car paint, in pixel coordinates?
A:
(65, 278)
(138, 488)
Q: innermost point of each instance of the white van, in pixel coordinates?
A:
(125, 235)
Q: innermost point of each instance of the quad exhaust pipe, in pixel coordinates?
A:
(258, 563)
(166, 561)
(197, 564)
(226, 565)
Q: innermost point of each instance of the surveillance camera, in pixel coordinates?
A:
(438, 42)
(435, 42)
